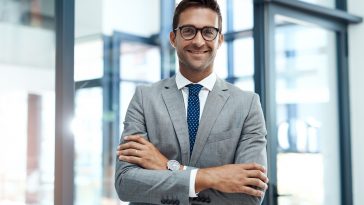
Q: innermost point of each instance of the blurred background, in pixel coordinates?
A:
(302, 57)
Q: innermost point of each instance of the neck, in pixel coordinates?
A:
(195, 76)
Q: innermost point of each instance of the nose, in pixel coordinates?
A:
(198, 40)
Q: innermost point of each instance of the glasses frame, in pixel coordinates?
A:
(197, 30)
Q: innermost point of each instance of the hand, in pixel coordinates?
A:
(139, 151)
(234, 178)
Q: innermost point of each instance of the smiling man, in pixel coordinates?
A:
(193, 138)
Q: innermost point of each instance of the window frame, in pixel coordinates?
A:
(331, 19)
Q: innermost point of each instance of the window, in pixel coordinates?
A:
(27, 102)
(307, 116)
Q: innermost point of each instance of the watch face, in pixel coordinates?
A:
(173, 165)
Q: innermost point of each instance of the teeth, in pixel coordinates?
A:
(198, 52)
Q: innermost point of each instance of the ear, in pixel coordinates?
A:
(172, 39)
(221, 40)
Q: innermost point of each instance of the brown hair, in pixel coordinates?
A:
(185, 4)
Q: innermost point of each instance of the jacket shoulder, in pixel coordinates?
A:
(238, 92)
(157, 86)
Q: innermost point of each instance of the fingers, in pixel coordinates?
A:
(130, 145)
(255, 170)
(136, 138)
(251, 191)
(132, 142)
(254, 166)
(258, 175)
(257, 184)
(130, 152)
(129, 149)
(130, 159)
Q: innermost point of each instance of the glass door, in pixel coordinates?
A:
(87, 125)
(307, 118)
(140, 63)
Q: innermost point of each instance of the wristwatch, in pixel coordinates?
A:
(173, 165)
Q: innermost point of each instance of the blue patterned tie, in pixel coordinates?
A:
(193, 112)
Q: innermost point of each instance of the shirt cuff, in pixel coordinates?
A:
(192, 192)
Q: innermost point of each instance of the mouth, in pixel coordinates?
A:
(197, 52)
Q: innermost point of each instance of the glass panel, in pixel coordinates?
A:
(306, 97)
(327, 3)
(87, 128)
(246, 84)
(243, 14)
(243, 57)
(140, 62)
(88, 59)
(27, 102)
(220, 64)
(244, 63)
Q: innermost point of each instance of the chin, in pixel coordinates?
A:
(198, 68)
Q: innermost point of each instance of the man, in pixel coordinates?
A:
(193, 138)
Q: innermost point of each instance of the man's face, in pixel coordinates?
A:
(197, 54)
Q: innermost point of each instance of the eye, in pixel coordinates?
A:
(188, 30)
(209, 31)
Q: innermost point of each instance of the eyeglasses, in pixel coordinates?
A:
(189, 32)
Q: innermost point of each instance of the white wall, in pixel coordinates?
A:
(27, 59)
(96, 17)
(26, 46)
(88, 17)
(356, 62)
(138, 16)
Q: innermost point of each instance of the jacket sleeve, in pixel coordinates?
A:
(136, 184)
(252, 143)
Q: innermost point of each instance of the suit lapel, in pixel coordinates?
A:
(173, 100)
(214, 103)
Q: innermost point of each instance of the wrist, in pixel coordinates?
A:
(204, 179)
(163, 165)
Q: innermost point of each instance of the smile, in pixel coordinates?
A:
(197, 52)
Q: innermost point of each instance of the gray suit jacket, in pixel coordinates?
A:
(232, 130)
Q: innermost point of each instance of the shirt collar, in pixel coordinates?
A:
(207, 82)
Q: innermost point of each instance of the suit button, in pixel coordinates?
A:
(169, 201)
(177, 202)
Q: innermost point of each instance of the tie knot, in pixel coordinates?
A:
(194, 89)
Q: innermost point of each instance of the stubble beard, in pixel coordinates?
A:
(190, 67)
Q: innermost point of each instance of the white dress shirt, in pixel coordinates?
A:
(207, 83)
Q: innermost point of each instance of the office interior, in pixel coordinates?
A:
(68, 70)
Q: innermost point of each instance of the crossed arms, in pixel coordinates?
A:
(231, 178)
(142, 176)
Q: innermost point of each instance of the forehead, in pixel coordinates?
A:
(199, 17)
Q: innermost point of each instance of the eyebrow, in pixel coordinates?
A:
(196, 26)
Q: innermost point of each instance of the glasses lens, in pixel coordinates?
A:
(188, 32)
(209, 33)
